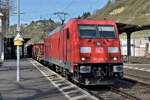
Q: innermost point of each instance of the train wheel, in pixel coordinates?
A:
(64, 72)
(61, 71)
(49, 66)
(53, 67)
(57, 69)
(68, 75)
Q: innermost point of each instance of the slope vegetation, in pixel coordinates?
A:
(126, 11)
(36, 30)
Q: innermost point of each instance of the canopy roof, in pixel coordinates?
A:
(129, 28)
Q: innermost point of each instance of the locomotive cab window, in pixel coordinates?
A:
(87, 31)
(106, 32)
(93, 31)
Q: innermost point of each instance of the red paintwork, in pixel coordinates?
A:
(58, 47)
(38, 50)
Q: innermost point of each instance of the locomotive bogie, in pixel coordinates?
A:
(96, 74)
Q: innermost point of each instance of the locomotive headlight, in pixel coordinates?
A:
(115, 58)
(85, 69)
(118, 68)
(82, 58)
(113, 49)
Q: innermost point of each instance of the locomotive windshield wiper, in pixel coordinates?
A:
(99, 32)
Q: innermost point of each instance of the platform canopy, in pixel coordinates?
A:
(129, 28)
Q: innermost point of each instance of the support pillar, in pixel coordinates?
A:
(128, 45)
(4, 30)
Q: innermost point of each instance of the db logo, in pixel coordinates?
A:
(99, 50)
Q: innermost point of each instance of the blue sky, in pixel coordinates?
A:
(44, 9)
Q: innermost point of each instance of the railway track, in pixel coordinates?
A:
(124, 94)
(106, 94)
(140, 79)
(135, 90)
(122, 90)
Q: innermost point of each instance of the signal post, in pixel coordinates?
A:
(18, 41)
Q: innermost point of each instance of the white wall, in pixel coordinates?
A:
(1, 53)
(138, 46)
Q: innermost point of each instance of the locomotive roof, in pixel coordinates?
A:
(57, 29)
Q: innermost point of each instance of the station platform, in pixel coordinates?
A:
(32, 86)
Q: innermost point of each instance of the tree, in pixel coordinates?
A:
(85, 15)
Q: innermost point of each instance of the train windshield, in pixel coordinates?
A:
(106, 32)
(87, 31)
(93, 31)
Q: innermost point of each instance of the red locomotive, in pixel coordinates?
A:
(86, 51)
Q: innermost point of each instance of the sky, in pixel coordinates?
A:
(33, 10)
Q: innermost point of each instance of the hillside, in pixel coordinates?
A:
(36, 30)
(127, 11)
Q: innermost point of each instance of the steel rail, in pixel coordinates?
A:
(124, 94)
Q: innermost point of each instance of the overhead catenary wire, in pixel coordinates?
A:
(68, 5)
(62, 14)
